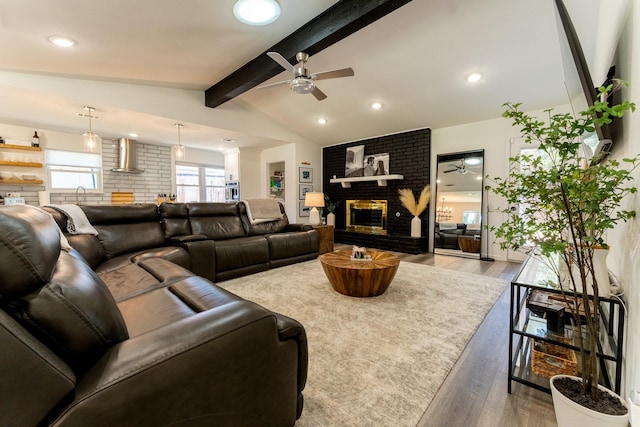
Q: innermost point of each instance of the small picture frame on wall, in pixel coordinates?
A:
(302, 209)
(305, 175)
(304, 189)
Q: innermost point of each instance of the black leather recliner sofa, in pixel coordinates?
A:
(446, 237)
(178, 351)
(213, 240)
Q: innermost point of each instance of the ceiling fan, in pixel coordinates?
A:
(460, 168)
(303, 81)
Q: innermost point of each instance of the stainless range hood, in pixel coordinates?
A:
(127, 156)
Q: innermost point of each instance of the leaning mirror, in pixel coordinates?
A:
(458, 204)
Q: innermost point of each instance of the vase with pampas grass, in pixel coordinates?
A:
(415, 207)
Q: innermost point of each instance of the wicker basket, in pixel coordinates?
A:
(548, 360)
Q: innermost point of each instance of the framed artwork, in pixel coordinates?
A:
(304, 189)
(376, 164)
(302, 209)
(305, 175)
(354, 163)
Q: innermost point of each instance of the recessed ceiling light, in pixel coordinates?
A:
(62, 41)
(474, 77)
(322, 121)
(133, 135)
(376, 105)
(479, 178)
(256, 12)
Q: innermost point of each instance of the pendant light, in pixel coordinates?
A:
(178, 149)
(91, 142)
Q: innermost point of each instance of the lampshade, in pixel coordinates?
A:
(178, 149)
(91, 143)
(315, 199)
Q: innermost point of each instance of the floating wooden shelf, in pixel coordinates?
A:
(22, 181)
(23, 164)
(382, 180)
(20, 147)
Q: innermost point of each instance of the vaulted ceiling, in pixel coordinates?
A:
(146, 65)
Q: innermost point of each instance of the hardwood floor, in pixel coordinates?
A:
(475, 392)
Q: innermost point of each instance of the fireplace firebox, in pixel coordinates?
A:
(367, 216)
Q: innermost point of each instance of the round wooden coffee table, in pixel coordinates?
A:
(360, 278)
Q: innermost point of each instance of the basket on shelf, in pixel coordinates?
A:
(548, 360)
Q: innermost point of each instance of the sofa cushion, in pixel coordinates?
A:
(126, 228)
(175, 219)
(261, 228)
(215, 220)
(128, 280)
(29, 249)
(287, 245)
(77, 311)
(237, 253)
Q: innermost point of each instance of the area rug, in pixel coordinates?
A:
(375, 361)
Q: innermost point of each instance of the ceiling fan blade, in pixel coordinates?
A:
(286, 82)
(281, 60)
(318, 94)
(452, 170)
(345, 72)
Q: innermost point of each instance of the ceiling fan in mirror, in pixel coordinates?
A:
(463, 167)
(303, 81)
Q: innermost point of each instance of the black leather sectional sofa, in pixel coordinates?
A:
(123, 330)
(447, 237)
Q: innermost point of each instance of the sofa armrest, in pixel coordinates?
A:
(225, 366)
(298, 227)
(202, 255)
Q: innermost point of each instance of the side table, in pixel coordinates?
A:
(325, 232)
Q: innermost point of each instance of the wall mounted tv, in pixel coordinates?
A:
(578, 82)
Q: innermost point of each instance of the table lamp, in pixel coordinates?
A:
(314, 200)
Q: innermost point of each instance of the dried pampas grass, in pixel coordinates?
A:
(409, 202)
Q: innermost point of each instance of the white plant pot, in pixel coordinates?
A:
(331, 219)
(416, 226)
(571, 414)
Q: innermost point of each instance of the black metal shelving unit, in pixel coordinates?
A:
(525, 327)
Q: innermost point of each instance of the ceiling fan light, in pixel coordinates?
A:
(302, 85)
(256, 12)
(472, 161)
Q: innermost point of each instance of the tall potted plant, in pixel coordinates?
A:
(568, 201)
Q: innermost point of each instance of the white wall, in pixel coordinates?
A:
(491, 135)
(624, 256)
(250, 170)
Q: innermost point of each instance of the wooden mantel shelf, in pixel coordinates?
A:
(382, 180)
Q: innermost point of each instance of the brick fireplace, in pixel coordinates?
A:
(409, 155)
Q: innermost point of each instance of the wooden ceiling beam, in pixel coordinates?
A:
(336, 23)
